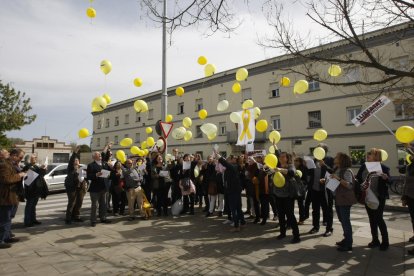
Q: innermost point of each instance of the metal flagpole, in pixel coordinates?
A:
(164, 96)
(381, 122)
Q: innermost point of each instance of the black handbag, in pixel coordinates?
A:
(296, 187)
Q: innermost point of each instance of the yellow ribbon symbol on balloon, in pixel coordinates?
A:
(246, 121)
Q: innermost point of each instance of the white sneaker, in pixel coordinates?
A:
(227, 221)
(232, 224)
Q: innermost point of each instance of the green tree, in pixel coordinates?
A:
(14, 109)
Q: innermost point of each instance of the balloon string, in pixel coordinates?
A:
(77, 125)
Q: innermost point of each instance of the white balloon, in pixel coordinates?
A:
(235, 117)
(257, 112)
(160, 143)
(223, 105)
(178, 133)
(208, 129)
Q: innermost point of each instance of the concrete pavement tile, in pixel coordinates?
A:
(11, 269)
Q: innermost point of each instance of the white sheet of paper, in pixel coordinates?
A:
(186, 165)
(105, 173)
(331, 183)
(164, 173)
(310, 164)
(31, 176)
(81, 174)
(374, 167)
(47, 161)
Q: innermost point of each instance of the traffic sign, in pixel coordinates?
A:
(166, 128)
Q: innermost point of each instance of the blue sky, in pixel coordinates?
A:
(51, 50)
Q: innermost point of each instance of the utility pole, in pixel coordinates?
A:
(164, 96)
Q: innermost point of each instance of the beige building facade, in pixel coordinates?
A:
(296, 117)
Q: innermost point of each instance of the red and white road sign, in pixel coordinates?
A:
(166, 128)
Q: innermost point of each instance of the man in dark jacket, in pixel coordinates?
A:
(97, 189)
(233, 188)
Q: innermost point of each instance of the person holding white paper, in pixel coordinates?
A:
(344, 198)
(378, 183)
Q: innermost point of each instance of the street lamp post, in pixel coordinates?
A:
(164, 96)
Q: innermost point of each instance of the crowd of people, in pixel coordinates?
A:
(175, 185)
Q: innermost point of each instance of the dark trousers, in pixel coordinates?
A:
(175, 192)
(301, 205)
(5, 222)
(322, 199)
(308, 202)
(199, 193)
(236, 210)
(98, 198)
(273, 204)
(344, 216)
(376, 220)
(30, 210)
(264, 206)
(256, 206)
(410, 204)
(285, 207)
(162, 198)
(227, 206)
(188, 203)
(75, 200)
(119, 200)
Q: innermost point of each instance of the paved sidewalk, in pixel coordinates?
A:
(194, 245)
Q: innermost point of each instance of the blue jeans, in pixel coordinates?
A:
(5, 222)
(235, 208)
(344, 216)
(30, 211)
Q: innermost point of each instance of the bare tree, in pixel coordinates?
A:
(346, 24)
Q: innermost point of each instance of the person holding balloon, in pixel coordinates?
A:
(187, 187)
(408, 193)
(159, 185)
(119, 198)
(300, 166)
(378, 183)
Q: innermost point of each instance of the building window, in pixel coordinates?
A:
(222, 128)
(199, 133)
(99, 124)
(126, 119)
(274, 90)
(116, 121)
(150, 114)
(180, 108)
(357, 154)
(400, 63)
(246, 94)
(221, 96)
(107, 123)
(313, 83)
(116, 140)
(352, 112)
(126, 135)
(137, 138)
(138, 118)
(314, 118)
(402, 155)
(106, 140)
(98, 142)
(404, 110)
(38, 145)
(352, 74)
(199, 104)
(276, 122)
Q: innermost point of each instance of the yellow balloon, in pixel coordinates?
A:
(144, 145)
(285, 81)
(405, 134)
(169, 118)
(83, 133)
(202, 60)
(334, 70)
(273, 149)
(212, 136)
(138, 82)
(202, 114)
(235, 117)
(126, 142)
(261, 126)
(274, 136)
(135, 150)
(320, 135)
(107, 98)
(196, 171)
(279, 180)
(187, 122)
(90, 12)
(319, 153)
(247, 104)
(299, 173)
(209, 70)
(141, 153)
(148, 130)
(242, 74)
(408, 158)
(146, 151)
(98, 104)
(120, 155)
(140, 106)
(179, 91)
(188, 135)
(150, 141)
(271, 160)
(257, 112)
(384, 155)
(301, 87)
(236, 88)
(106, 66)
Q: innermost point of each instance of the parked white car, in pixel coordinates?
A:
(56, 174)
